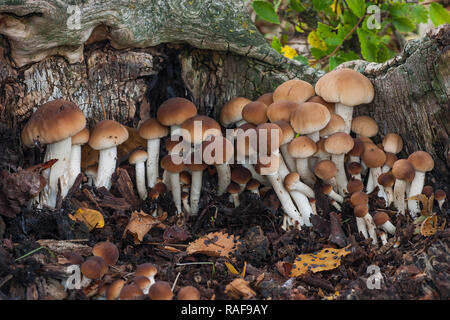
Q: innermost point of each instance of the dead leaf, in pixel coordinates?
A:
(325, 259)
(64, 246)
(427, 203)
(215, 244)
(239, 288)
(42, 166)
(141, 223)
(93, 219)
(231, 268)
(429, 226)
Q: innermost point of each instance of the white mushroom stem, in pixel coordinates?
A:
(357, 176)
(261, 179)
(255, 191)
(152, 161)
(166, 180)
(235, 198)
(315, 136)
(74, 163)
(346, 113)
(303, 188)
(196, 188)
(59, 150)
(106, 167)
(415, 189)
(441, 203)
(224, 177)
(385, 169)
(370, 186)
(175, 131)
(284, 197)
(388, 227)
(341, 178)
(174, 179)
(361, 225)
(332, 182)
(288, 159)
(375, 173)
(354, 159)
(389, 195)
(371, 228)
(383, 237)
(336, 205)
(186, 206)
(399, 195)
(303, 205)
(305, 173)
(140, 180)
(336, 197)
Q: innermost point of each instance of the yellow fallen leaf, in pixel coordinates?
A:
(231, 268)
(216, 244)
(140, 224)
(93, 219)
(239, 288)
(429, 226)
(325, 259)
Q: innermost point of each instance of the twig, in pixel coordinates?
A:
(5, 280)
(103, 107)
(175, 282)
(29, 253)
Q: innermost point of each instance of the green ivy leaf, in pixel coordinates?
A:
(276, 44)
(357, 6)
(369, 47)
(419, 13)
(317, 53)
(438, 14)
(321, 5)
(403, 24)
(265, 11)
(297, 5)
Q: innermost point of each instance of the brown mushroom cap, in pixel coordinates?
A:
(233, 188)
(345, 86)
(288, 133)
(320, 145)
(193, 166)
(291, 179)
(440, 195)
(114, 289)
(175, 111)
(185, 178)
(167, 163)
(231, 112)
(151, 129)
(74, 258)
(199, 128)
(107, 134)
(380, 218)
(386, 179)
(390, 159)
(142, 282)
(266, 98)
(108, 251)
(358, 198)
(358, 148)
(270, 137)
(54, 121)
(325, 169)
(131, 292)
(361, 210)
(336, 124)
(319, 99)
(365, 126)
(354, 168)
(339, 143)
(240, 175)
(94, 267)
(403, 170)
(281, 110)
(146, 269)
(81, 137)
(188, 293)
(373, 156)
(255, 112)
(427, 191)
(138, 156)
(293, 90)
(421, 161)
(309, 117)
(160, 290)
(302, 147)
(253, 184)
(392, 143)
(355, 185)
(219, 150)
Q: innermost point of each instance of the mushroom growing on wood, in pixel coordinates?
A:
(138, 158)
(105, 137)
(309, 118)
(173, 112)
(54, 124)
(403, 172)
(293, 90)
(78, 140)
(231, 112)
(346, 88)
(255, 112)
(338, 145)
(422, 163)
(152, 131)
(364, 126)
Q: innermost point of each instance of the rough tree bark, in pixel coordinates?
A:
(132, 55)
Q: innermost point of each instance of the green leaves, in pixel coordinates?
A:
(321, 5)
(297, 5)
(438, 14)
(357, 6)
(403, 24)
(266, 11)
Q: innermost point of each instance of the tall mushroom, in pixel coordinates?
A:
(54, 123)
(255, 112)
(138, 158)
(403, 172)
(309, 118)
(196, 168)
(346, 88)
(281, 110)
(152, 131)
(326, 170)
(173, 168)
(374, 158)
(302, 148)
(105, 137)
(338, 145)
(288, 135)
(364, 126)
(78, 140)
(293, 90)
(173, 112)
(422, 163)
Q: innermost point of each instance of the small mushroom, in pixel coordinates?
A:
(382, 221)
(173, 112)
(233, 189)
(302, 148)
(138, 158)
(188, 293)
(362, 211)
(403, 172)
(309, 118)
(440, 197)
(131, 292)
(173, 169)
(231, 112)
(294, 90)
(160, 290)
(422, 163)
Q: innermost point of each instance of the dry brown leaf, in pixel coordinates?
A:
(140, 224)
(429, 226)
(427, 203)
(325, 259)
(93, 219)
(239, 288)
(215, 244)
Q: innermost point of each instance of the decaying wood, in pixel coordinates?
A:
(135, 54)
(122, 182)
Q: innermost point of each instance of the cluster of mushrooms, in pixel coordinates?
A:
(143, 283)
(286, 140)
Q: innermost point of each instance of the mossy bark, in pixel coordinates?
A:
(132, 55)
